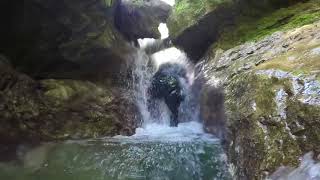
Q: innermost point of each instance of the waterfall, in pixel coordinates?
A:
(146, 66)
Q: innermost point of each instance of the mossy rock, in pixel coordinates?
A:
(304, 60)
(52, 109)
(187, 13)
(272, 99)
(64, 90)
(257, 126)
(253, 28)
(226, 24)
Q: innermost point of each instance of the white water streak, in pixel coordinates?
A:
(170, 55)
(170, 2)
(308, 170)
(145, 69)
(164, 31)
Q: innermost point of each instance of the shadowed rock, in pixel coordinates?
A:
(141, 18)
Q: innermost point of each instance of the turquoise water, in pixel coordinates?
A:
(176, 156)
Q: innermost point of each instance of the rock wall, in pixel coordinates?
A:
(272, 93)
(66, 68)
(33, 111)
(77, 39)
(227, 22)
(261, 64)
(65, 39)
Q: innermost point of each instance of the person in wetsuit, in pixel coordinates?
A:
(166, 85)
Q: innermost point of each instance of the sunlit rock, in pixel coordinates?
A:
(271, 99)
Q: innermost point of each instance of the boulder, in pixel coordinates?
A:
(141, 18)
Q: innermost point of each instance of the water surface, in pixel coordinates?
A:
(154, 152)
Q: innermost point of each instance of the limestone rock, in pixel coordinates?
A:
(272, 93)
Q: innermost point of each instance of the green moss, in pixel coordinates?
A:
(188, 12)
(77, 49)
(308, 116)
(107, 38)
(299, 61)
(103, 127)
(283, 149)
(264, 96)
(261, 133)
(64, 90)
(250, 28)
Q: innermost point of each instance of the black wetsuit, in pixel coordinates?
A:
(166, 85)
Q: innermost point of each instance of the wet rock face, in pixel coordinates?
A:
(33, 111)
(213, 112)
(272, 91)
(141, 18)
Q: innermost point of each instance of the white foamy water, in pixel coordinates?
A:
(309, 169)
(164, 31)
(143, 43)
(188, 132)
(172, 55)
(170, 2)
(185, 132)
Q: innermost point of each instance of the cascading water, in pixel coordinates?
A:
(145, 68)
